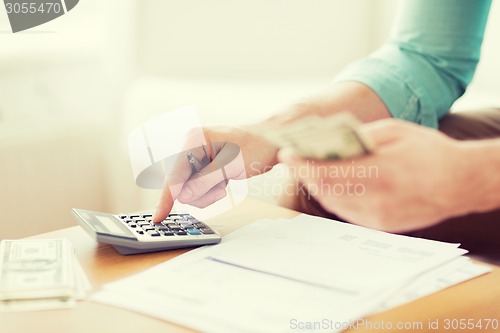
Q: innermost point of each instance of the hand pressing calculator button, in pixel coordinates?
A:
(136, 233)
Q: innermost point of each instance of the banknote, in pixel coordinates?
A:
(36, 304)
(38, 274)
(324, 138)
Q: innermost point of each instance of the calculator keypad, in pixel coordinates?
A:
(173, 225)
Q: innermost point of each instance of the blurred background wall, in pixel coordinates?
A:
(72, 89)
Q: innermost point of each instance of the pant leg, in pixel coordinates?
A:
(473, 125)
(478, 233)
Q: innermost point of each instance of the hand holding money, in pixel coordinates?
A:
(40, 274)
(331, 138)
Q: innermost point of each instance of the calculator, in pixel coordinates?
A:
(136, 233)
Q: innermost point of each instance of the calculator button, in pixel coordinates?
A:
(147, 216)
(180, 233)
(149, 228)
(162, 228)
(172, 225)
(134, 216)
(128, 221)
(132, 225)
(207, 231)
(153, 233)
(185, 224)
(122, 216)
(140, 232)
(193, 231)
(200, 225)
(168, 233)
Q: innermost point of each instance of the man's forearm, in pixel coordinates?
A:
(353, 97)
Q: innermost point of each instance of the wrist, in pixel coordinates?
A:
(480, 177)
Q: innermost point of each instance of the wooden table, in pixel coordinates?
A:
(476, 299)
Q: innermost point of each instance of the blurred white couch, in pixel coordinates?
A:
(51, 143)
(45, 170)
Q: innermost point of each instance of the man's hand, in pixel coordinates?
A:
(229, 153)
(415, 178)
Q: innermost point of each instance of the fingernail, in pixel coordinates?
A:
(186, 194)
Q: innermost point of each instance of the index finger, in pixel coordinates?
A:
(174, 181)
(164, 206)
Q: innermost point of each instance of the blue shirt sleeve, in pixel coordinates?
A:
(429, 59)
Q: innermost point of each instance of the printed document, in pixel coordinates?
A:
(273, 274)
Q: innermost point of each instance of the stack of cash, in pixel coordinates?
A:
(332, 138)
(40, 274)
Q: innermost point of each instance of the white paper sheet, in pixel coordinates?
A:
(454, 272)
(214, 297)
(274, 275)
(333, 254)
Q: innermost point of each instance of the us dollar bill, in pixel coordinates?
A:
(37, 304)
(37, 274)
(332, 138)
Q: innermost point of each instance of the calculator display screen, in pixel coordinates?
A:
(105, 224)
(110, 226)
